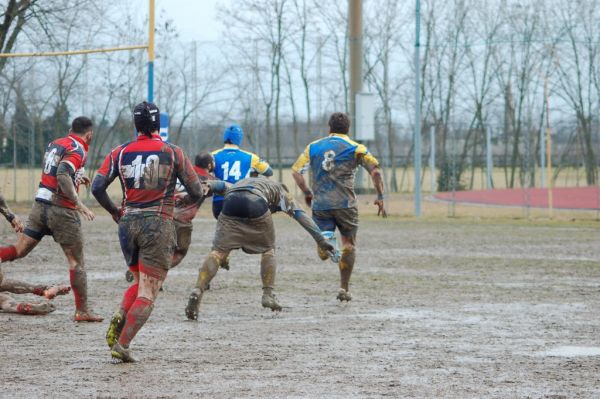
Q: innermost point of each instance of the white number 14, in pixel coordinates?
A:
(234, 172)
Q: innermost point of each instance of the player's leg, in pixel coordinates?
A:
(129, 227)
(22, 287)
(326, 223)
(217, 207)
(10, 305)
(65, 226)
(184, 239)
(150, 281)
(35, 229)
(78, 278)
(347, 222)
(268, 269)
(207, 272)
(156, 240)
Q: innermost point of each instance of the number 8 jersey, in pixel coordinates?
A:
(233, 164)
(333, 161)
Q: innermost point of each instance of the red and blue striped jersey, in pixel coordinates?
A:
(148, 169)
(72, 150)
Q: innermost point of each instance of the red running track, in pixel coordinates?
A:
(562, 198)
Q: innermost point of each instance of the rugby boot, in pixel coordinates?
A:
(117, 322)
(191, 310)
(123, 354)
(269, 301)
(86, 316)
(344, 295)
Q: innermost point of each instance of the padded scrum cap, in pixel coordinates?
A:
(234, 134)
(146, 117)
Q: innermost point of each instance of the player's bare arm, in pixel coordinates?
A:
(14, 221)
(99, 187)
(64, 176)
(301, 183)
(378, 183)
(311, 227)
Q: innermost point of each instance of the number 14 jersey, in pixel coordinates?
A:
(233, 164)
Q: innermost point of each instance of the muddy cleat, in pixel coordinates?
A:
(122, 354)
(114, 328)
(269, 301)
(191, 310)
(81, 316)
(344, 295)
(35, 309)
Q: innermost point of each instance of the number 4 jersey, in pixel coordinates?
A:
(72, 150)
(332, 162)
(148, 169)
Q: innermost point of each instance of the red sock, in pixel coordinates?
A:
(8, 253)
(39, 290)
(136, 318)
(74, 286)
(23, 308)
(129, 296)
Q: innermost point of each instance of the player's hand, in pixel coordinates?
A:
(87, 214)
(117, 215)
(381, 209)
(326, 246)
(205, 188)
(308, 197)
(17, 225)
(85, 181)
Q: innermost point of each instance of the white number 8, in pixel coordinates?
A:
(328, 161)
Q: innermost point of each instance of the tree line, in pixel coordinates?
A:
(281, 66)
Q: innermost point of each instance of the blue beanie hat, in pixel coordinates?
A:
(234, 134)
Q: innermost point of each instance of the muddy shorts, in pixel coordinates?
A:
(183, 231)
(253, 236)
(147, 241)
(346, 220)
(61, 223)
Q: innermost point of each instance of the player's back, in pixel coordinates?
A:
(72, 150)
(232, 164)
(148, 169)
(333, 163)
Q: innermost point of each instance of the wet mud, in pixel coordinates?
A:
(448, 309)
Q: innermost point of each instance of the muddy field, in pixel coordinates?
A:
(449, 308)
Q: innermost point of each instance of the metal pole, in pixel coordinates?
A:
(151, 51)
(432, 157)
(548, 151)
(489, 160)
(355, 29)
(417, 135)
(14, 131)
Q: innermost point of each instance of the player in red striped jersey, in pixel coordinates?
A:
(148, 169)
(57, 207)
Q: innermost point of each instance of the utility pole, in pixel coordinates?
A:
(417, 135)
(356, 54)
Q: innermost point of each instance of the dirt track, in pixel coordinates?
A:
(440, 309)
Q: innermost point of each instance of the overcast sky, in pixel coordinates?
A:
(194, 19)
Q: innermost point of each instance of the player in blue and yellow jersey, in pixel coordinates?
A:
(233, 164)
(332, 162)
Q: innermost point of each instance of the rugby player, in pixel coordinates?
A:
(57, 207)
(233, 164)
(148, 169)
(245, 222)
(332, 161)
(7, 303)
